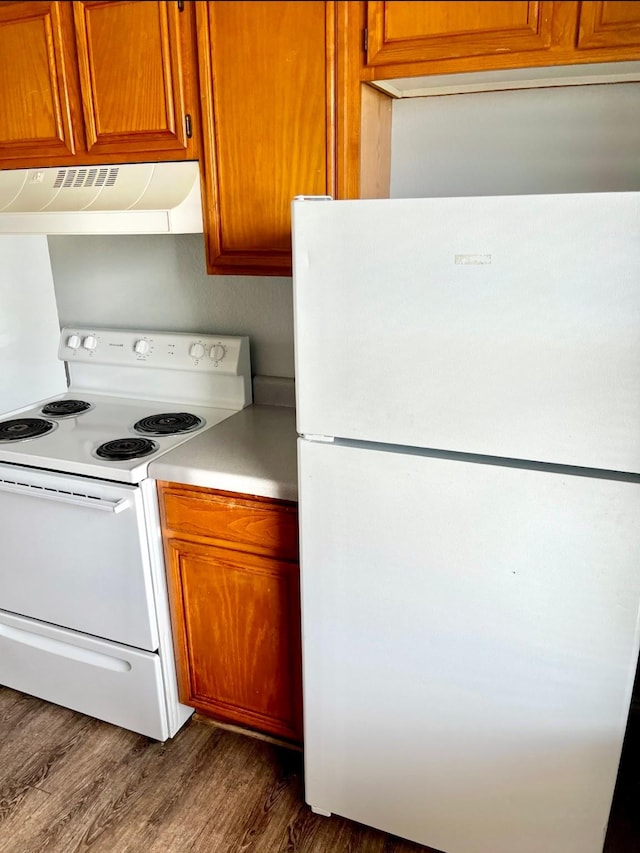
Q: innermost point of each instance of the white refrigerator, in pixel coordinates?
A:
(468, 410)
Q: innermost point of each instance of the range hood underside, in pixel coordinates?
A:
(140, 198)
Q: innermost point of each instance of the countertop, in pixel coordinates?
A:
(252, 452)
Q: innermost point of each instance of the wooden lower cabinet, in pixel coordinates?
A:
(233, 575)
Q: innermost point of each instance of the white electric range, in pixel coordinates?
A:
(84, 617)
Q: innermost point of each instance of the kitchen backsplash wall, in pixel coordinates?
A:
(159, 282)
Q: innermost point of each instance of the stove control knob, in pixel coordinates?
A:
(90, 342)
(196, 351)
(73, 341)
(141, 347)
(218, 352)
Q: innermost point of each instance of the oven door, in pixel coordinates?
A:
(75, 555)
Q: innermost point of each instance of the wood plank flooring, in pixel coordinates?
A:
(69, 783)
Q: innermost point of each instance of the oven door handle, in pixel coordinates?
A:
(68, 497)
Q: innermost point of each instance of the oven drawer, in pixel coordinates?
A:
(114, 683)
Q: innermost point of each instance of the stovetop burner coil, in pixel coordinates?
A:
(64, 408)
(168, 423)
(120, 449)
(20, 429)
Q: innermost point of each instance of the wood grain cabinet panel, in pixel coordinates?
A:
(95, 82)
(267, 78)
(416, 31)
(36, 93)
(233, 575)
(240, 642)
(609, 25)
(235, 521)
(409, 39)
(131, 75)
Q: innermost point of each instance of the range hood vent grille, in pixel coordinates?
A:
(90, 177)
(125, 198)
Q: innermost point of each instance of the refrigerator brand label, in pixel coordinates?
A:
(472, 259)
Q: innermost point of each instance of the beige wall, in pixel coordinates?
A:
(569, 139)
(159, 282)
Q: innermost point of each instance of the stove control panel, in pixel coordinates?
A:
(161, 350)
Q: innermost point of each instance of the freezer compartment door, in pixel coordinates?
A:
(500, 326)
(470, 641)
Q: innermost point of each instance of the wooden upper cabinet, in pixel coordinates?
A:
(406, 39)
(609, 25)
(91, 82)
(131, 76)
(267, 88)
(413, 31)
(36, 94)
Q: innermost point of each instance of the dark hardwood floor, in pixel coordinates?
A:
(69, 783)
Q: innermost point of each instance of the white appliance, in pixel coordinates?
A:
(29, 330)
(468, 404)
(84, 616)
(126, 198)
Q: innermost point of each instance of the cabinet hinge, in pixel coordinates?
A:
(180, 5)
(187, 126)
(365, 39)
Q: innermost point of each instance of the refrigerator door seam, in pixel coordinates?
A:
(482, 459)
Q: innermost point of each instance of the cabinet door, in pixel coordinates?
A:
(414, 31)
(237, 625)
(36, 92)
(609, 25)
(266, 71)
(132, 74)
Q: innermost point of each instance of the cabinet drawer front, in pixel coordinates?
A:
(249, 524)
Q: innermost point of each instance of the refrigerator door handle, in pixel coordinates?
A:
(310, 436)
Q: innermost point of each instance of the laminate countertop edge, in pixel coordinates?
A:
(253, 452)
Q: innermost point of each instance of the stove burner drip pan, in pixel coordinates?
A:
(168, 423)
(66, 408)
(21, 429)
(121, 449)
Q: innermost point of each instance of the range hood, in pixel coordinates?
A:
(138, 198)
